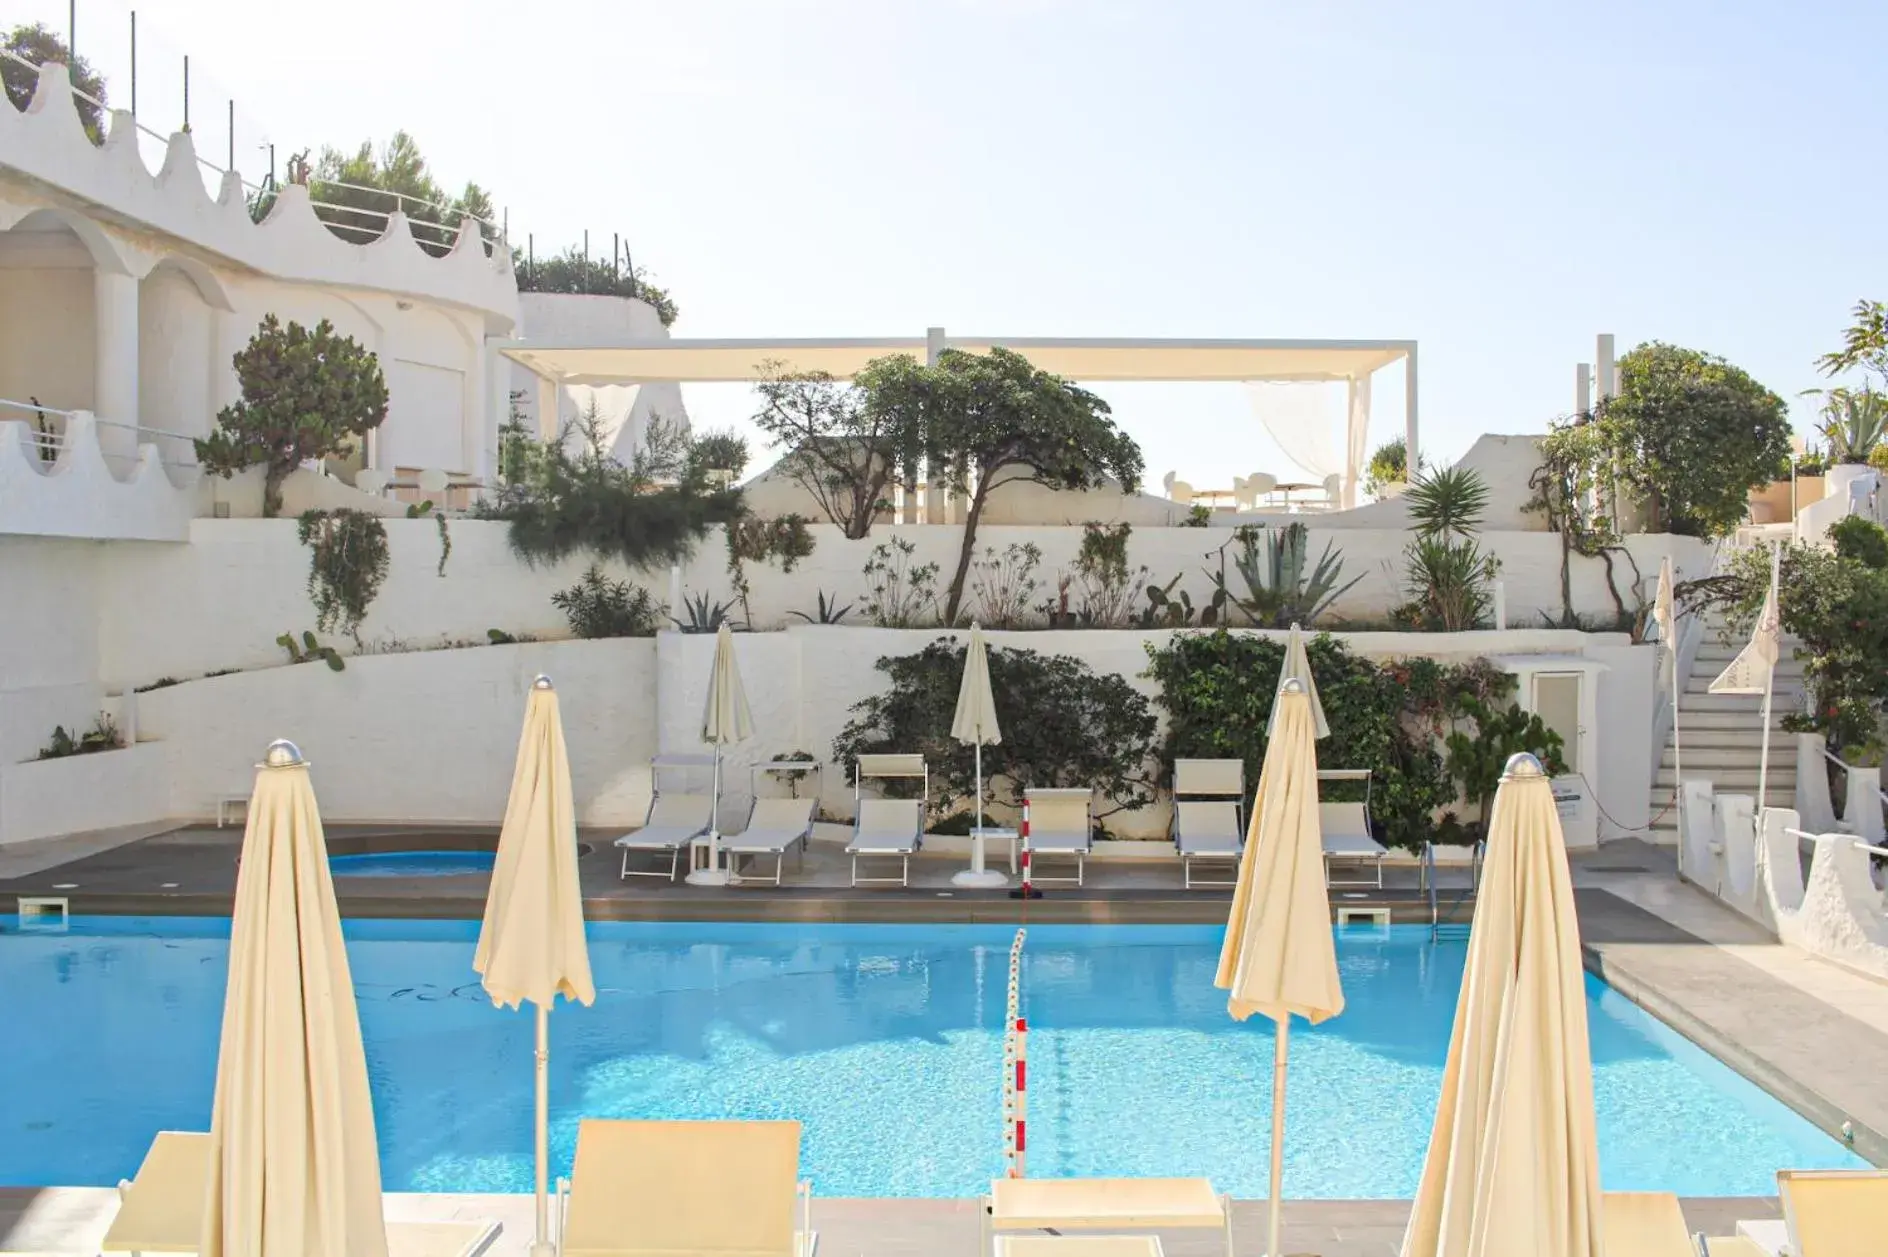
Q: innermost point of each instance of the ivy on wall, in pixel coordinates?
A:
(347, 563)
(1392, 718)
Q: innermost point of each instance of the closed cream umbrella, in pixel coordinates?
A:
(1513, 1163)
(531, 944)
(294, 1169)
(726, 719)
(1297, 666)
(975, 725)
(1280, 957)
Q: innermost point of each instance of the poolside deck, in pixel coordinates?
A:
(73, 1220)
(191, 871)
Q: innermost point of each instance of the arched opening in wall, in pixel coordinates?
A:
(178, 361)
(432, 365)
(47, 324)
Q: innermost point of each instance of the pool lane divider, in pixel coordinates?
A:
(1015, 1067)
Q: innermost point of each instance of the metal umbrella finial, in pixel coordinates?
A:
(1292, 685)
(541, 682)
(283, 753)
(1522, 767)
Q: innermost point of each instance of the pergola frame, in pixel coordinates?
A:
(1086, 360)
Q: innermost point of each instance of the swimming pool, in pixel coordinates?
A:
(412, 863)
(884, 1040)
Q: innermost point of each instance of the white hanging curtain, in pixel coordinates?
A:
(1302, 417)
(1356, 438)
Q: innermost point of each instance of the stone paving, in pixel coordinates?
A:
(74, 1220)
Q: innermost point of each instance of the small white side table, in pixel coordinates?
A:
(977, 875)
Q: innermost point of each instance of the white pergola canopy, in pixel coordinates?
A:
(649, 360)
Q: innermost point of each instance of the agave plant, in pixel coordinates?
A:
(1854, 422)
(1282, 588)
(826, 612)
(1448, 501)
(704, 615)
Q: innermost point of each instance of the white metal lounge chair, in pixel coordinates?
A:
(675, 818)
(1834, 1213)
(1105, 1204)
(1644, 1224)
(161, 1210)
(1346, 831)
(1208, 814)
(887, 828)
(658, 1189)
(773, 825)
(1061, 824)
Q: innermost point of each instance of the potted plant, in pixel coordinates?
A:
(1854, 422)
(1387, 476)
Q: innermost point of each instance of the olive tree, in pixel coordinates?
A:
(842, 449)
(987, 420)
(305, 395)
(1690, 435)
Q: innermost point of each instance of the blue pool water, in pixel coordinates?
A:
(884, 1040)
(412, 864)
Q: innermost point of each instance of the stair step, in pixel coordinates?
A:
(1782, 785)
(1698, 759)
(1743, 719)
(1732, 734)
(1780, 702)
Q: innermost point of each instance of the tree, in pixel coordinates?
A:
(400, 179)
(987, 420)
(842, 451)
(1690, 435)
(305, 395)
(39, 45)
(1864, 344)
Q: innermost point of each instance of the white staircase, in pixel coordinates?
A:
(1720, 734)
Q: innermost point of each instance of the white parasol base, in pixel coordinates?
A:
(708, 877)
(984, 879)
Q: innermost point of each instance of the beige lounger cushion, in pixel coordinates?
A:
(639, 1189)
(900, 765)
(1209, 776)
(775, 825)
(163, 1209)
(1835, 1213)
(1098, 1204)
(1206, 826)
(673, 820)
(1644, 1224)
(1346, 830)
(1078, 1246)
(893, 825)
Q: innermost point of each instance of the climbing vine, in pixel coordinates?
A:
(1573, 488)
(348, 561)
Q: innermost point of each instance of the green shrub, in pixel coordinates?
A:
(347, 563)
(1860, 539)
(1217, 689)
(1064, 725)
(597, 606)
(102, 736)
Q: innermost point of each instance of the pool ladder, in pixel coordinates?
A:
(1445, 912)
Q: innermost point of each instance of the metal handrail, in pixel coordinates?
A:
(400, 199)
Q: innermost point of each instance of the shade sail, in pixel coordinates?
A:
(713, 361)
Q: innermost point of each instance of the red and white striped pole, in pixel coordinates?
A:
(1025, 891)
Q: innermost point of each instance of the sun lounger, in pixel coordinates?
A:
(773, 825)
(1346, 830)
(674, 821)
(658, 1189)
(1644, 1224)
(1835, 1213)
(1208, 808)
(887, 828)
(1061, 824)
(161, 1210)
(1105, 1204)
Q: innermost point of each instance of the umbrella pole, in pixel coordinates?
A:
(541, 1247)
(1279, 1049)
(979, 785)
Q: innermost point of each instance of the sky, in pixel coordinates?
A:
(1499, 182)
